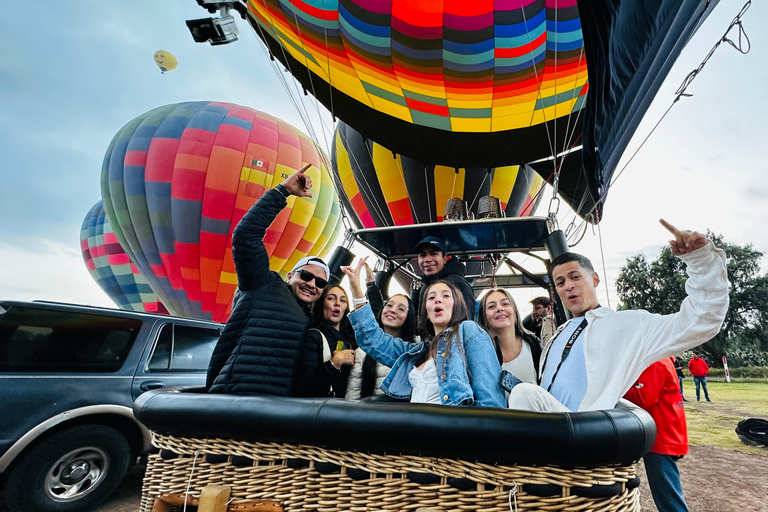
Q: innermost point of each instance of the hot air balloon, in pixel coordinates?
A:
(177, 180)
(110, 266)
(487, 83)
(380, 188)
(166, 61)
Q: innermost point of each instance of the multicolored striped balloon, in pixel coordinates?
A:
(178, 179)
(456, 82)
(386, 189)
(111, 267)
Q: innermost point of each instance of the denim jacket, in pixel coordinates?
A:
(471, 378)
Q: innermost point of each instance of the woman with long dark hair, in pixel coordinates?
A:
(337, 345)
(518, 350)
(455, 364)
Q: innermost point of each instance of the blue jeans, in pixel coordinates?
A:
(664, 481)
(701, 381)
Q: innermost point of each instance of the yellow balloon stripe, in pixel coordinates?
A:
(392, 183)
(503, 182)
(448, 184)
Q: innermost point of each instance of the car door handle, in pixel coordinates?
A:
(151, 384)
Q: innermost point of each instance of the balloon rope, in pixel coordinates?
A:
(280, 76)
(189, 482)
(399, 161)
(513, 498)
(364, 182)
(602, 258)
(538, 90)
(323, 126)
(426, 187)
(487, 174)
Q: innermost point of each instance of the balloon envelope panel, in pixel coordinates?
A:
(433, 67)
(178, 179)
(111, 267)
(487, 83)
(385, 189)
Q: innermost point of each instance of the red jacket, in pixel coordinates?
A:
(657, 390)
(698, 367)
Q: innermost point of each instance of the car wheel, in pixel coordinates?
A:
(72, 470)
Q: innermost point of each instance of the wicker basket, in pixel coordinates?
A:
(310, 478)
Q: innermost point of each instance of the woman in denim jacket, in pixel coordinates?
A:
(456, 363)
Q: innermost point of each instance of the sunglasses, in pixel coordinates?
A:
(308, 276)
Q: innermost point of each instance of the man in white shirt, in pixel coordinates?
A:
(599, 354)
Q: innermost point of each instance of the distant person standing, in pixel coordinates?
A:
(699, 369)
(656, 391)
(535, 321)
(680, 376)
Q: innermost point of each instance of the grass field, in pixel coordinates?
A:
(713, 423)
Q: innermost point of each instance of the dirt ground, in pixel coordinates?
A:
(714, 480)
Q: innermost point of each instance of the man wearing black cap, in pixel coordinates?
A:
(435, 265)
(264, 348)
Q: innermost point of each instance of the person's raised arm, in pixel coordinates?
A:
(372, 292)
(248, 250)
(685, 242)
(354, 278)
(702, 311)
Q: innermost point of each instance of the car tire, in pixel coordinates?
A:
(71, 471)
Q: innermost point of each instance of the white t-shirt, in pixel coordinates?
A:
(522, 366)
(426, 389)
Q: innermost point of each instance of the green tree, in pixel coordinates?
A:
(659, 287)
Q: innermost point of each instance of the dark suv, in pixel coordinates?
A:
(68, 378)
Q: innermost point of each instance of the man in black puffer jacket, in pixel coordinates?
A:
(264, 348)
(435, 265)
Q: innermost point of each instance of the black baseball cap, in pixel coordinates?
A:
(431, 240)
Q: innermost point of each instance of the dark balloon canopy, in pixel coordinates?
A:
(380, 188)
(484, 84)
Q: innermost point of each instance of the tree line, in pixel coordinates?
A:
(659, 287)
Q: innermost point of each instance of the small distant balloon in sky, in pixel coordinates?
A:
(166, 61)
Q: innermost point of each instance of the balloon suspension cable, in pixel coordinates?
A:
(602, 258)
(189, 482)
(513, 498)
(340, 187)
(303, 113)
(538, 91)
(297, 100)
(280, 75)
(324, 128)
(405, 185)
(474, 199)
(743, 46)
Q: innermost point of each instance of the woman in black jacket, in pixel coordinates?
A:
(517, 348)
(337, 349)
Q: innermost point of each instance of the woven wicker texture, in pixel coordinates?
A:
(311, 478)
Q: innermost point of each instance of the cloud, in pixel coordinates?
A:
(55, 272)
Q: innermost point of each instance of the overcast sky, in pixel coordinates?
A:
(73, 73)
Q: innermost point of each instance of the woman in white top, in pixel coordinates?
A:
(517, 349)
(398, 319)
